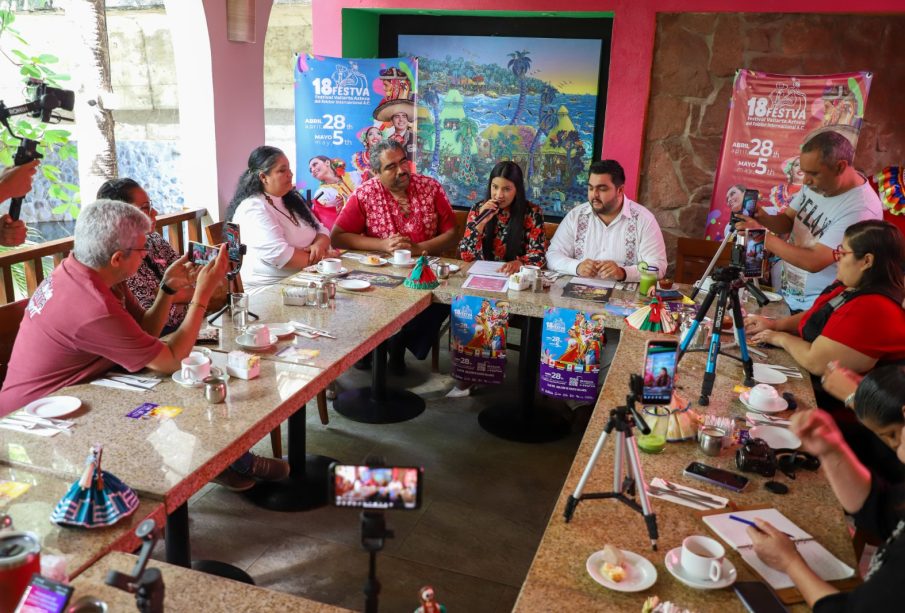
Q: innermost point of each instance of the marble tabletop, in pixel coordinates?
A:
(189, 590)
(359, 321)
(558, 572)
(168, 459)
(30, 512)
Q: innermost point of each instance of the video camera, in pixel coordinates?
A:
(45, 100)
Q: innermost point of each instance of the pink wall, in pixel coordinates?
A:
(238, 82)
(631, 55)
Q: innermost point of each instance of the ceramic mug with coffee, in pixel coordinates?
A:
(702, 558)
(329, 266)
(763, 396)
(402, 257)
(260, 334)
(196, 367)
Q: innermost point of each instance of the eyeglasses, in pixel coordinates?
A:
(838, 252)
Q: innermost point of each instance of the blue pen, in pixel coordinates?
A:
(753, 525)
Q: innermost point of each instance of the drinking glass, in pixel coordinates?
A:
(238, 307)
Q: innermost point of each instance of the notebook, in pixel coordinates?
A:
(821, 561)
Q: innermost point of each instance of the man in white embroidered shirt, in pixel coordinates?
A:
(610, 234)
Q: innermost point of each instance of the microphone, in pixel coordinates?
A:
(483, 216)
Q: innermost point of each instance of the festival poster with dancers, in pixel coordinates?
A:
(478, 337)
(770, 117)
(571, 345)
(343, 107)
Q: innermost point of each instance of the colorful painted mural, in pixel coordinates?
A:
(484, 99)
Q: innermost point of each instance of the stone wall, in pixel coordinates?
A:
(695, 58)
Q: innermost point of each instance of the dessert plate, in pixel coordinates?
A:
(776, 437)
(640, 574)
(53, 406)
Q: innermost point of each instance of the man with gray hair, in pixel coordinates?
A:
(82, 320)
(834, 197)
(398, 209)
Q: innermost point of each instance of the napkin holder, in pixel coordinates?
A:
(243, 365)
(518, 282)
(294, 296)
(681, 422)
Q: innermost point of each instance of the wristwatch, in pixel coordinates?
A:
(166, 289)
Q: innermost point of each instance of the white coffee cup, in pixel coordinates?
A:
(329, 266)
(260, 334)
(402, 256)
(762, 396)
(702, 558)
(196, 367)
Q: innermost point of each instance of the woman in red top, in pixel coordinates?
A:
(858, 320)
(513, 230)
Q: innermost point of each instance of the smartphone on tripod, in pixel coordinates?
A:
(749, 202)
(376, 487)
(660, 360)
(754, 262)
(233, 241)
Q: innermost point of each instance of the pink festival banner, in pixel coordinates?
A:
(770, 116)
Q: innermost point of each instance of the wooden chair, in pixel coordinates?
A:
(10, 317)
(214, 234)
(693, 255)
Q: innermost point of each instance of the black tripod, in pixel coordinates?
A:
(727, 282)
(373, 536)
(622, 419)
(231, 279)
(146, 584)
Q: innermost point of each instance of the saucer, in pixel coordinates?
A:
(281, 329)
(343, 270)
(675, 569)
(454, 268)
(640, 574)
(408, 264)
(778, 405)
(248, 341)
(776, 437)
(53, 406)
(380, 262)
(770, 376)
(356, 285)
(216, 371)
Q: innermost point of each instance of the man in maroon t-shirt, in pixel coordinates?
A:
(83, 320)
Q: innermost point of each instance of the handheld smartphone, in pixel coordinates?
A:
(376, 487)
(44, 595)
(716, 476)
(749, 202)
(754, 263)
(232, 240)
(758, 597)
(202, 254)
(660, 359)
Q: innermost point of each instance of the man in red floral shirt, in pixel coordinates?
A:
(398, 209)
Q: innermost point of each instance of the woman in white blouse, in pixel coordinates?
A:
(276, 223)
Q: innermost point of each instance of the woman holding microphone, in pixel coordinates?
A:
(505, 227)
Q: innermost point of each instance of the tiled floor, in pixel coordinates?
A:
(486, 503)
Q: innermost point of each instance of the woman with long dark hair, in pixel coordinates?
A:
(513, 230)
(857, 321)
(282, 234)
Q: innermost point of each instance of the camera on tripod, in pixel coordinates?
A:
(45, 100)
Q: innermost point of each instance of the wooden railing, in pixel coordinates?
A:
(175, 227)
